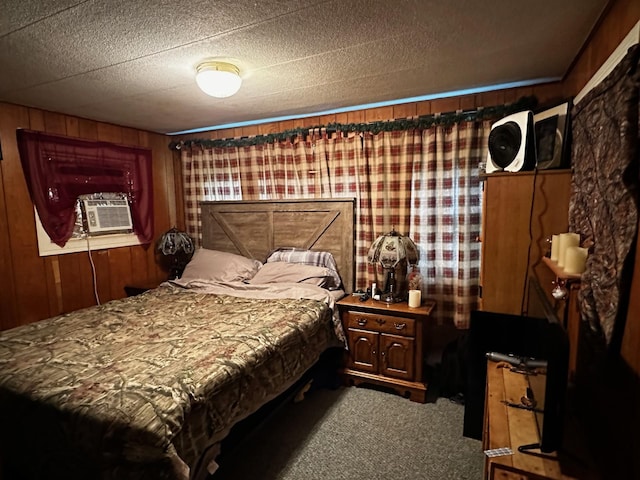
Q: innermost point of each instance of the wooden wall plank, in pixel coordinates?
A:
(342, 117)
(120, 271)
(72, 281)
(54, 285)
(306, 122)
(285, 125)
(445, 105)
(109, 133)
(356, 116)
(250, 131)
(405, 110)
(130, 136)
(52, 267)
(327, 119)
(423, 108)
(72, 125)
(7, 287)
(140, 272)
(163, 174)
(88, 129)
(103, 275)
(549, 93)
(28, 272)
(378, 114)
(55, 123)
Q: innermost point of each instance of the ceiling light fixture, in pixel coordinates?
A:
(218, 79)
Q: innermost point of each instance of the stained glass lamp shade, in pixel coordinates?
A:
(393, 252)
(178, 248)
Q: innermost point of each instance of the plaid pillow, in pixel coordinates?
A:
(308, 257)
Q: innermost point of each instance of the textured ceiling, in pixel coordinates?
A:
(132, 63)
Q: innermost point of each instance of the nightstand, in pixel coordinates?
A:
(138, 288)
(385, 344)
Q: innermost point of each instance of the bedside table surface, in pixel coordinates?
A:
(402, 308)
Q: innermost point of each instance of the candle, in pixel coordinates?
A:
(575, 259)
(555, 247)
(414, 298)
(566, 240)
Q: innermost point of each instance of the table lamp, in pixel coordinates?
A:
(393, 252)
(177, 247)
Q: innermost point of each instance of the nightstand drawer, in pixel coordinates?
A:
(380, 323)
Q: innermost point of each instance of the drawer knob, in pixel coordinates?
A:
(399, 326)
(362, 322)
(380, 321)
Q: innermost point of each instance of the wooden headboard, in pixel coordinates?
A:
(255, 228)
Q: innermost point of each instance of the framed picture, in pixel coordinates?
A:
(552, 131)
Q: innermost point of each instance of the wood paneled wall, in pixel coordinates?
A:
(34, 287)
(613, 26)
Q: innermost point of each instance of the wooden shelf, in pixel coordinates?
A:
(559, 271)
(554, 171)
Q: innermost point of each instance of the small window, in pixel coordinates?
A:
(103, 220)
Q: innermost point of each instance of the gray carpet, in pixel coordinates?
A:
(358, 433)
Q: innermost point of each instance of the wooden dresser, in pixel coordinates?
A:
(520, 211)
(510, 427)
(386, 344)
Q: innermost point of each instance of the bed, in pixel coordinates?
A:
(148, 386)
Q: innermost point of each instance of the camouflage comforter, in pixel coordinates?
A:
(147, 386)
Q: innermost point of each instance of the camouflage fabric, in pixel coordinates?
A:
(142, 387)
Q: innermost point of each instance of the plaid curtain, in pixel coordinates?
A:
(208, 175)
(422, 183)
(393, 162)
(342, 171)
(446, 217)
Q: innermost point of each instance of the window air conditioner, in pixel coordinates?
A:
(107, 216)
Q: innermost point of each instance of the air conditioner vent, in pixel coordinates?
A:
(110, 216)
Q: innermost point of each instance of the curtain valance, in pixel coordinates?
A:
(58, 169)
(419, 123)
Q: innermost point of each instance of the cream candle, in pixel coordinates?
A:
(566, 240)
(575, 259)
(415, 298)
(555, 247)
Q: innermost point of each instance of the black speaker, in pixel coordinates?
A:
(512, 146)
(552, 132)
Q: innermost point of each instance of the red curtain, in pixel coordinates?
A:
(58, 169)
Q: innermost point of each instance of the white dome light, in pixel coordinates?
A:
(218, 79)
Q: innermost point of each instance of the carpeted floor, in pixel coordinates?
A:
(358, 433)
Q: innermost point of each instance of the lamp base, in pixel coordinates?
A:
(388, 298)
